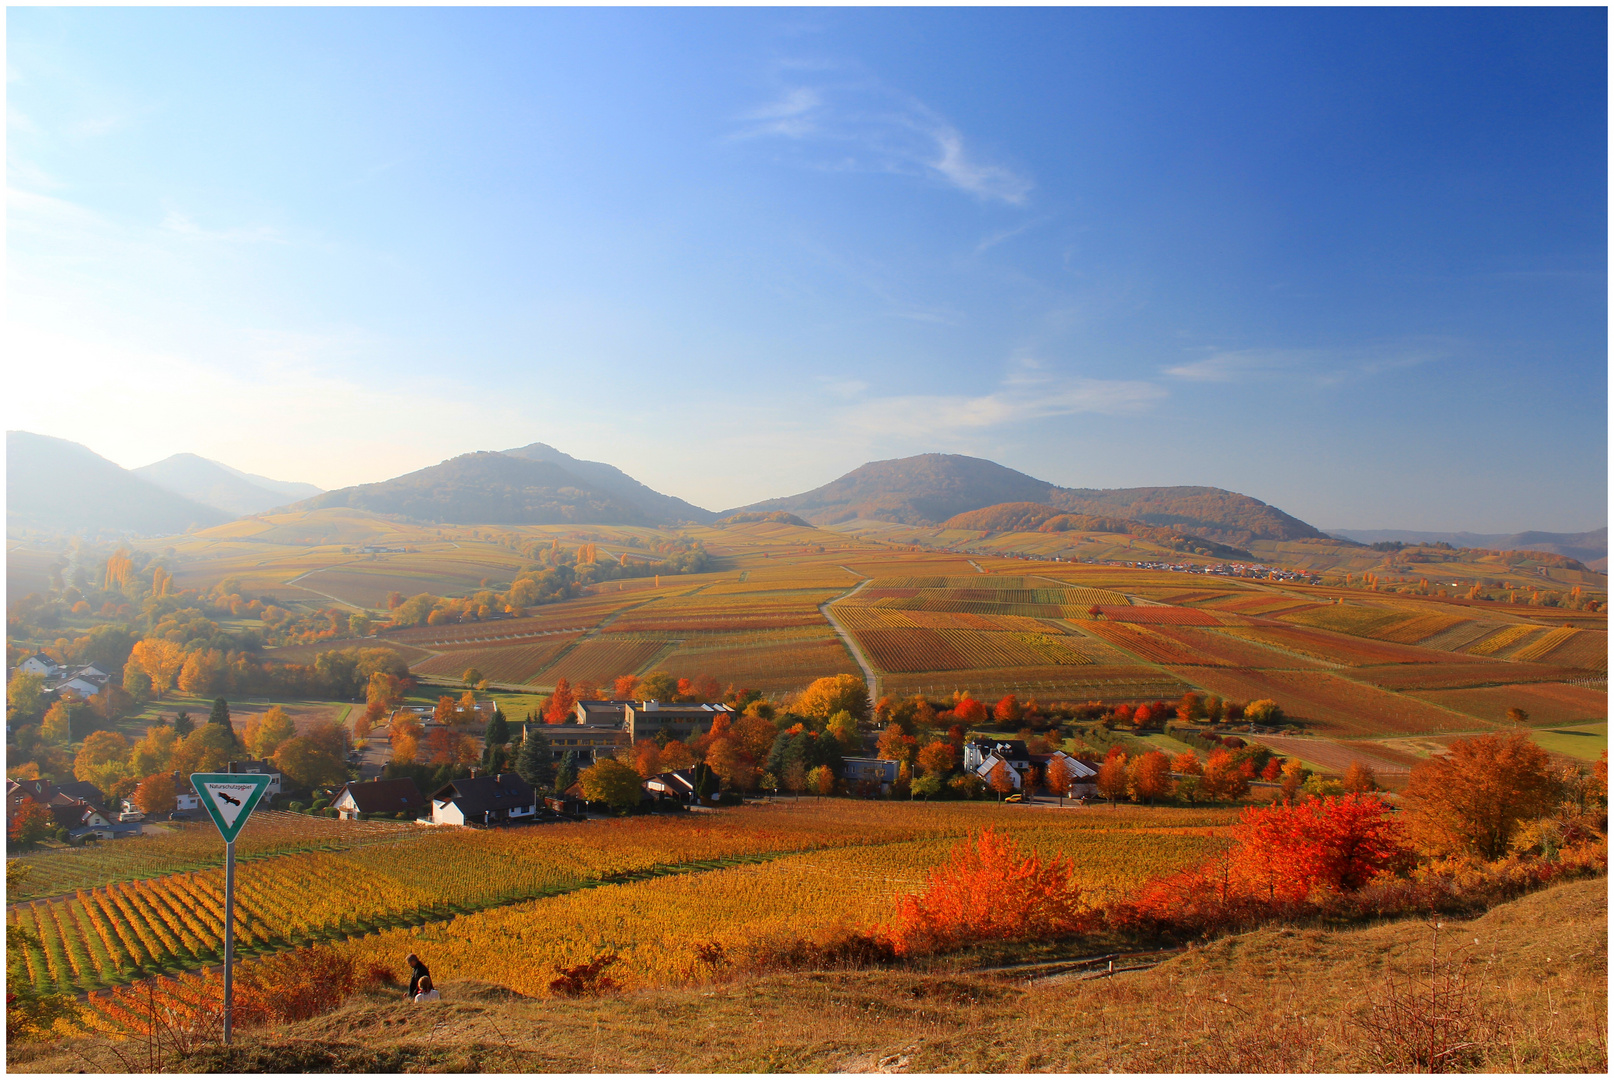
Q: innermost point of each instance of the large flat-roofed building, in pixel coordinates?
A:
(647, 719)
(600, 712)
(591, 741)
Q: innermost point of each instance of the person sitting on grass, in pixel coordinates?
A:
(427, 991)
(417, 976)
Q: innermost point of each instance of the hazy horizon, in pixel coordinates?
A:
(1348, 262)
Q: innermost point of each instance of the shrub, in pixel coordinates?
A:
(585, 980)
(294, 985)
(988, 890)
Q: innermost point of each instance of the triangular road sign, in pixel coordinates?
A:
(229, 798)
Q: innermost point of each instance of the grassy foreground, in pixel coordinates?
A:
(1280, 999)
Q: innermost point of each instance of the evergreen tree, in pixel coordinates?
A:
(220, 713)
(536, 762)
(566, 776)
(705, 780)
(183, 724)
(497, 733)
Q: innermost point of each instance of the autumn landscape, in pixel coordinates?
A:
(952, 596)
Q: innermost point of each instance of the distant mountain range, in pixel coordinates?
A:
(1587, 547)
(931, 488)
(214, 484)
(58, 486)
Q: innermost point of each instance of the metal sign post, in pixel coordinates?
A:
(229, 799)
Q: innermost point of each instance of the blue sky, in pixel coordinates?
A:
(1351, 262)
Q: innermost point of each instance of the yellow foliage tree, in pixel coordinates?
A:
(161, 661)
(833, 694)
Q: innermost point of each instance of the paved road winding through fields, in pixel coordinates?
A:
(869, 677)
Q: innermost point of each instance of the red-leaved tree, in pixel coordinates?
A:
(989, 890)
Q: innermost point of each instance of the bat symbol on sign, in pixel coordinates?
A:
(228, 799)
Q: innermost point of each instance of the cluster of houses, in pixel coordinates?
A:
(79, 808)
(84, 680)
(982, 756)
(599, 728)
(83, 809)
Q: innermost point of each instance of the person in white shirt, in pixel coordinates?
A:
(428, 992)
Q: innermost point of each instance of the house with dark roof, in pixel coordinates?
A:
(484, 800)
(678, 786)
(80, 817)
(48, 794)
(40, 664)
(398, 795)
(1012, 751)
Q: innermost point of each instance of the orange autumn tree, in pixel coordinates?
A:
(558, 710)
(989, 890)
(1149, 777)
(1111, 780)
(970, 711)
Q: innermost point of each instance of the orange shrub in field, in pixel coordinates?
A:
(989, 890)
(1283, 860)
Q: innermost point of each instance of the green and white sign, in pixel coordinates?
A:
(229, 799)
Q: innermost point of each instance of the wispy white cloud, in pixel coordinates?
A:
(1323, 367)
(1236, 365)
(992, 240)
(859, 124)
(1026, 394)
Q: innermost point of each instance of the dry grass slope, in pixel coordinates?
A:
(1276, 1000)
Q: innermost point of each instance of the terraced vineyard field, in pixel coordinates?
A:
(107, 935)
(601, 659)
(1501, 640)
(1568, 647)
(1453, 675)
(1333, 648)
(1147, 645)
(1547, 703)
(187, 847)
(750, 660)
(1382, 624)
(1120, 681)
(505, 664)
(654, 926)
(1164, 614)
(1329, 704)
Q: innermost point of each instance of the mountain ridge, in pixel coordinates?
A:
(613, 481)
(212, 483)
(1587, 546)
(58, 485)
(927, 489)
(486, 487)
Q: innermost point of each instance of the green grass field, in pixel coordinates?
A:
(1586, 742)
